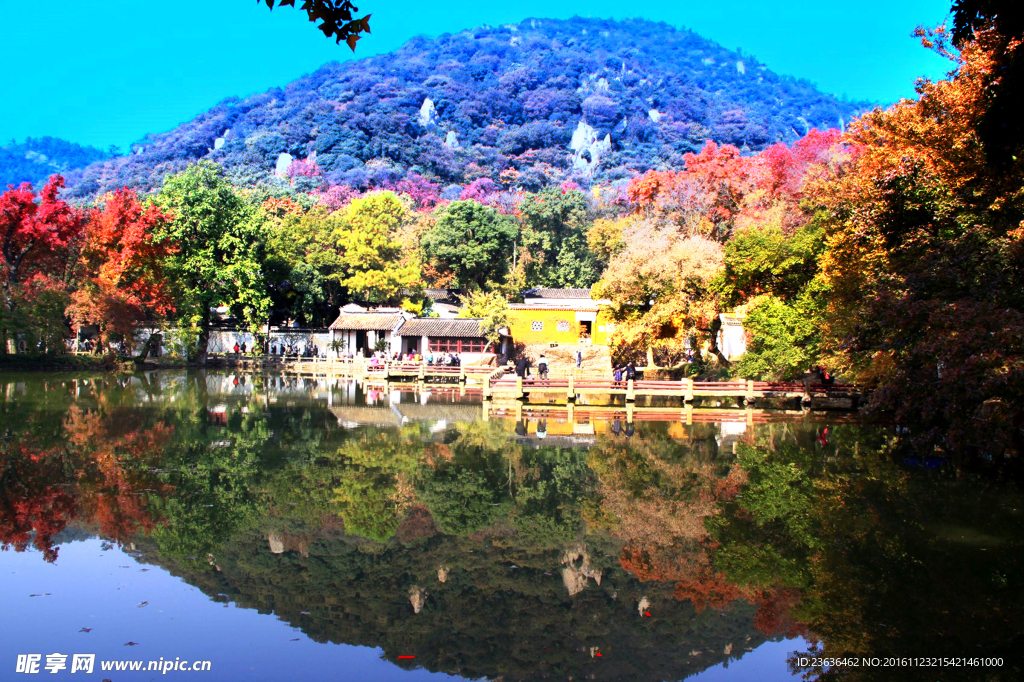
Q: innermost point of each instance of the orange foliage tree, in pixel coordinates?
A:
(925, 262)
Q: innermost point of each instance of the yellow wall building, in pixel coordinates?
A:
(563, 316)
(564, 325)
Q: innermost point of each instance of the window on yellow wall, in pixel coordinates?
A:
(537, 326)
(563, 326)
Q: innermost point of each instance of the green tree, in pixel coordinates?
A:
(304, 266)
(220, 239)
(555, 223)
(491, 308)
(785, 335)
(472, 241)
(763, 259)
(374, 266)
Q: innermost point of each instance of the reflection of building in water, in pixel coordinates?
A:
(351, 416)
(218, 414)
(355, 404)
(367, 405)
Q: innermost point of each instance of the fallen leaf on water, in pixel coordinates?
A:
(86, 630)
(43, 594)
(294, 640)
(145, 603)
(131, 643)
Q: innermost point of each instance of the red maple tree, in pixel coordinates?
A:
(123, 277)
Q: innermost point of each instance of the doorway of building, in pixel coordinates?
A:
(360, 348)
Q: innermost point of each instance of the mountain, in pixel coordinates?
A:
(544, 100)
(37, 158)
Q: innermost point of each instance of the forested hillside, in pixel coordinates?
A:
(37, 158)
(541, 102)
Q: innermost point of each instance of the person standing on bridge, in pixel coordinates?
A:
(630, 372)
(523, 367)
(542, 367)
(579, 358)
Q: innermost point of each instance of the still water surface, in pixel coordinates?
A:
(310, 530)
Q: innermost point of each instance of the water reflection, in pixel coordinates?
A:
(535, 542)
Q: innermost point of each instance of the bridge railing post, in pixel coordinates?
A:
(519, 387)
(750, 392)
(630, 392)
(570, 393)
(688, 396)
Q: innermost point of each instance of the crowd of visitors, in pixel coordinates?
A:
(380, 358)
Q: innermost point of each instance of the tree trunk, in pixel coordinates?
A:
(203, 342)
(147, 348)
(202, 345)
(724, 361)
(716, 325)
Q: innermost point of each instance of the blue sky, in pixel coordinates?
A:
(109, 72)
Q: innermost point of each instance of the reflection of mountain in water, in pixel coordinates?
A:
(486, 549)
(494, 609)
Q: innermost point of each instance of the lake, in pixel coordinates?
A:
(275, 528)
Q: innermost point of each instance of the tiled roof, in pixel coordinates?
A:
(451, 296)
(432, 326)
(588, 306)
(367, 321)
(557, 293)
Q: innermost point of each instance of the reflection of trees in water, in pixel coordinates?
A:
(851, 548)
(62, 461)
(509, 549)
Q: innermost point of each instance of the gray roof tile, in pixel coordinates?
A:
(432, 326)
